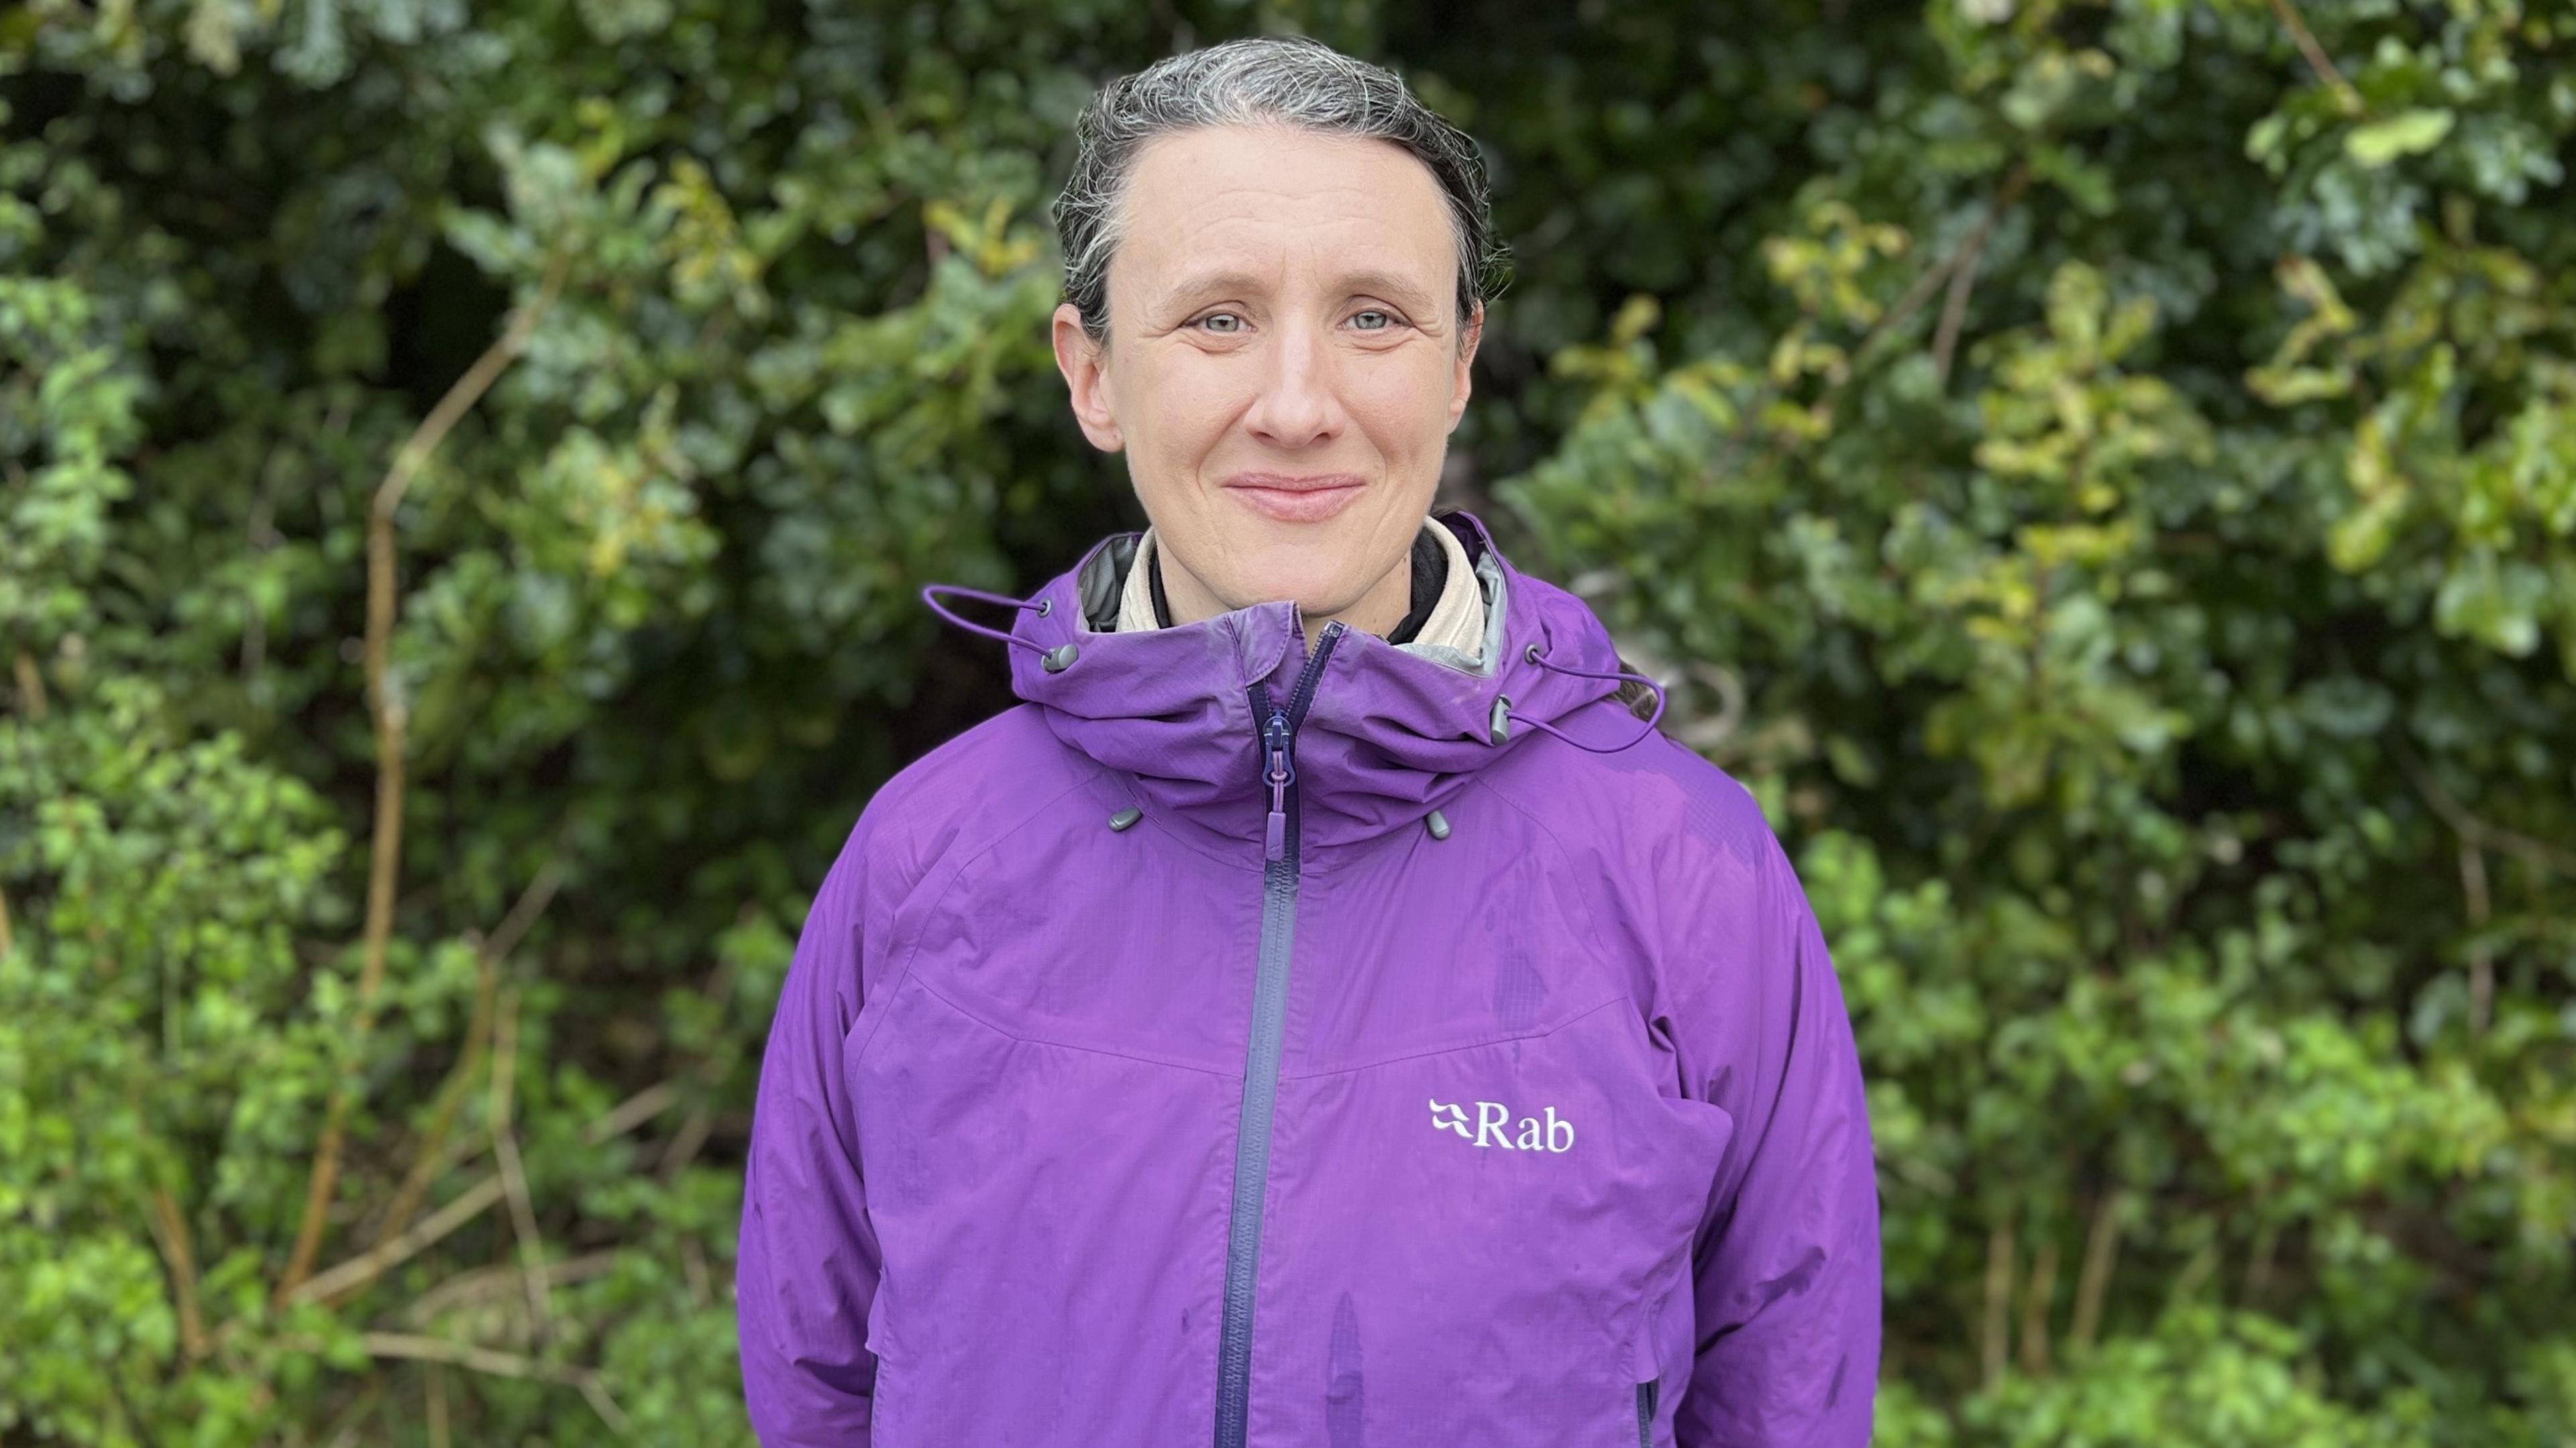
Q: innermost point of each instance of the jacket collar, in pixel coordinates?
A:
(1391, 731)
(1456, 620)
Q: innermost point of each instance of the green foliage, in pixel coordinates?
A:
(2105, 473)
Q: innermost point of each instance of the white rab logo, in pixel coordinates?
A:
(1492, 1117)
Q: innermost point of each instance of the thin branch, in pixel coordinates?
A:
(415, 1348)
(468, 1288)
(434, 1390)
(1964, 254)
(344, 1431)
(693, 1267)
(695, 1127)
(338, 1282)
(1916, 294)
(2036, 1297)
(2344, 94)
(170, 1232)
(531, 905)
(633, 1112)
(357, 1272)
(429, 1161)
(2469, 827)
(31, 687)
(2195, 1273)
(602, 1404)
(263, 537)
(694, 1130)
(391, 720)
(2473, 884)
(2101, 1254)
(1912, 301)
(1963, 273)
(491, 1362)
(1999, 1279)
(2258, 1265)
(514, 1177)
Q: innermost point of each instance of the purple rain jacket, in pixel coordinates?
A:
(1274, 1041)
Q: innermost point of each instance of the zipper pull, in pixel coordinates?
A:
(1274, 738)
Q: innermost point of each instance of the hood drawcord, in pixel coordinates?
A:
(1499, 728)
(1056, 659)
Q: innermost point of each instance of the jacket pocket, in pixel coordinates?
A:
(1646, 1412)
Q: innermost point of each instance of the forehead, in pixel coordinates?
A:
(1283, 204)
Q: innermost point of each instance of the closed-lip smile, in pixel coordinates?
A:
(1288, 498)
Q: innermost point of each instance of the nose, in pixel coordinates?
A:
(1298, 405)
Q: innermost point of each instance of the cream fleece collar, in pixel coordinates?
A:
(1457, 618)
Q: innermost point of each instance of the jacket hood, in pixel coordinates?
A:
(1387, 733)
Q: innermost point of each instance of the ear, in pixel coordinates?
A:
(1460, 385)
(1085, 365)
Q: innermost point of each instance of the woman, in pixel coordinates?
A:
(1319, 1013)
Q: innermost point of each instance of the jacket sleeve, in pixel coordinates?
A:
(1786, 1266)
(806, 1265)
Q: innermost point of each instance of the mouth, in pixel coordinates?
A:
(1288, 499)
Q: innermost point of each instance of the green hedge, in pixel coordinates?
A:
(2105, 474)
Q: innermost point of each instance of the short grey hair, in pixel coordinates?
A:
(1279, 80)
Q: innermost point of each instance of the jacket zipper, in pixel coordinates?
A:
(1278, 734)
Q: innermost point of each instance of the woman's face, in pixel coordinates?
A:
(1283, 368)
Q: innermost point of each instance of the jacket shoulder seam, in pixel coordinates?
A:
(1025, 1038)
(1504, 1038)
(1592, 919)
(956, 864)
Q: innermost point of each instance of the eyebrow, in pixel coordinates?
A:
(1391, 286)
(1387, 284)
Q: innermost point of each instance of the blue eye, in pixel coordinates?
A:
(1388, 319)
(1214, 317)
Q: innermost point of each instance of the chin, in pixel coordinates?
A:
(1312, 589)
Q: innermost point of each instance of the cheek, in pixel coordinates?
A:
(1182, 405)
(1402, 401)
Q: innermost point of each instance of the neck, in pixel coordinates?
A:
(1378, 609)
